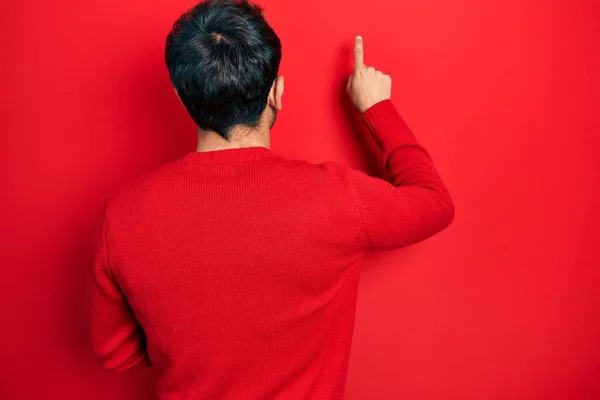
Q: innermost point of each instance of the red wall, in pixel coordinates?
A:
(504, 94)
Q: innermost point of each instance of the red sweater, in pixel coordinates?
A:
(235, 272)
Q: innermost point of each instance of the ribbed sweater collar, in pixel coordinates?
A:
(229, 156)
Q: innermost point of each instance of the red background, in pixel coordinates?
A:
(504, 94)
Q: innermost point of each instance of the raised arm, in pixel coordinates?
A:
(415, 203)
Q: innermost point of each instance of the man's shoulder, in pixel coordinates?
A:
(146, 186)
(326, 175)
(332, 169)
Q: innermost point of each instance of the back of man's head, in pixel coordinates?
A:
(223, 58)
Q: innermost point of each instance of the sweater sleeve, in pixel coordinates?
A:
(415, 203)
(117, 338)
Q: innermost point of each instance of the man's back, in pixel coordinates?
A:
(241, 268)
(244, 265)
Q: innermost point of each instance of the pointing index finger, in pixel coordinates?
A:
(359, 57)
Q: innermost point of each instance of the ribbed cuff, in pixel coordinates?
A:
(387, 127)
(138, 361)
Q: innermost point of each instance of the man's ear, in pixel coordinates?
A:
(276, 93)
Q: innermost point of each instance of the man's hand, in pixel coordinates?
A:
(366, 85)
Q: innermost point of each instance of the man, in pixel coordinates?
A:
(234, 271)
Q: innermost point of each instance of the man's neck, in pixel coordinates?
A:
(239, 138)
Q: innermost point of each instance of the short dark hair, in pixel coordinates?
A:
(223, 58)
